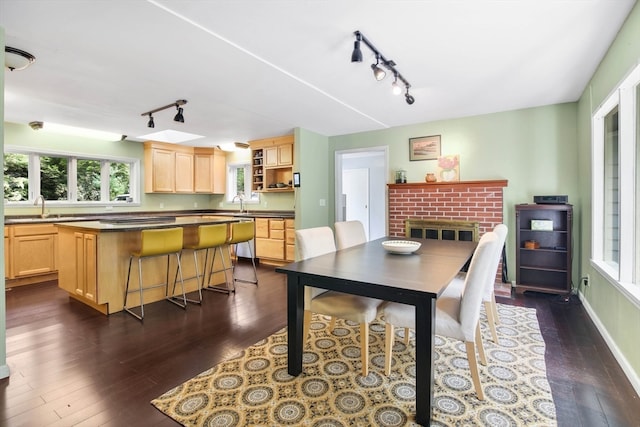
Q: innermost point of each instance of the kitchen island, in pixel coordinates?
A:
(94, 257)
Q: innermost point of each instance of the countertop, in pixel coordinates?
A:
(142, 223)
(68, 218)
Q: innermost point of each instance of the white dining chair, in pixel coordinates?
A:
(489, 297)
(349, 233)
(457, 313)
(312, 242)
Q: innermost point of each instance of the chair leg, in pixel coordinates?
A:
(126, 292)
(473, 367)
(229, 285)
(407, 334)
(332, 324)
(198, 282)
(364, 348)
(483, 357)
(491, 320)
(172, 298)
(494, 306)
(306, 325)
(253, 263)
(388, 345)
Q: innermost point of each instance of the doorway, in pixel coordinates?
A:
(361, 188)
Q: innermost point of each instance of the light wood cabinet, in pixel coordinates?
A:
(270, 240)
(187, 170)
(209, 171)
(84, 281)
(184, 172)
(290, 239)
(272, 164)
(32, 250)
(7, 251)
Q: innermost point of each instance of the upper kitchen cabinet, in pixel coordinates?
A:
(210, 170)
(272, 164)
(177, 169)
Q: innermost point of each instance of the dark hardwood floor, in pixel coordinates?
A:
(72, 366)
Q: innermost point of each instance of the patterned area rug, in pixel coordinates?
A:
(254, 388)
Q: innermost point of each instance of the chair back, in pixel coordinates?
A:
(211, 236)
(242, 231)
(349, 233)
(483, 262)
(312, 242)
(501, 233)
(160, 241)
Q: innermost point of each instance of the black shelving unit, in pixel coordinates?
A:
(543, 256)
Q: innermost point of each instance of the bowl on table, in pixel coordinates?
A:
(401, 246)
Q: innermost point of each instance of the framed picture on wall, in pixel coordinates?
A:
(424, 148)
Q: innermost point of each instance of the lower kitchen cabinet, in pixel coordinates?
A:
(30, 253)
(290, 239)
(270, 240)
(86, 252)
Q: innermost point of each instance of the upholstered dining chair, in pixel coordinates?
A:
(457, 314)
(489, 298)
(318, 241)
(349, 233)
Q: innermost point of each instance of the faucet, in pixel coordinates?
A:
(35, 203)
(240, 197)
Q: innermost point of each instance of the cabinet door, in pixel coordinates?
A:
(262, 227)
(33, 255)
(7, 258)
(91, 267)
(219, 172)
(285, 155)
(163, 170)
(184, 172)
(204, 166)
(271, 156)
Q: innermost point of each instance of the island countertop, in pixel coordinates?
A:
(143, 223)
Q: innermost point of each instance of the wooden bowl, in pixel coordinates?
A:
(531, 244)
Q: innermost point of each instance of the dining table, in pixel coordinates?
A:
(415, 278)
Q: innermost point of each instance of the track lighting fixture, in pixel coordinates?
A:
(378, 72)
(178, 117)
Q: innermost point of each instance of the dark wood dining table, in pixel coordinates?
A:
(416, 279)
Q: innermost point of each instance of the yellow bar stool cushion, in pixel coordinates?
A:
(212, 236)
(243, 232)
(157, 242)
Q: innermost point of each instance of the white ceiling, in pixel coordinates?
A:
(256, 68)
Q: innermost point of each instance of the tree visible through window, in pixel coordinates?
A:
(54, 173)
(16, 177)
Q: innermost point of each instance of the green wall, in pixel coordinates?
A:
(616, 316)
(534, 149)
(311, 158)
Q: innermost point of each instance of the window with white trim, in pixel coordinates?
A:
(615, 185)
(65, 179)
(239, 183)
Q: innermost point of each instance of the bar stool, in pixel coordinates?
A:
(242, 232)
(157, 242)
(210, 238)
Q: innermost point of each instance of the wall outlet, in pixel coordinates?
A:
(195, 204)
(108, 208)
(587, 280)
(161, 205)
(513, 283)
(323, 202)
(220, 204)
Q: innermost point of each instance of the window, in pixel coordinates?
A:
(239, 182)
(615, 184)
(68, 179)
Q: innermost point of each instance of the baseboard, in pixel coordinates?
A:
(622, 361)
(4, 371)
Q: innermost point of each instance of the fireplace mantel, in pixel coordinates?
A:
(454, 185)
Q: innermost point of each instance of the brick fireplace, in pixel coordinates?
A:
(474, 201)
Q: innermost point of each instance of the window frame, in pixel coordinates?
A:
(625, 98)
(254, 197)
(34, 177)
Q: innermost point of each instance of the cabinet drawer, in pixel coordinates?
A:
(270, 248)
(277, 234)
(276, 224)
(290, 224)
(33, 230)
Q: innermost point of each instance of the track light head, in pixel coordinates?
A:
(395, 86)
(410, 99)
(179, 117)
(150, 123)
(378, 73)
(356, 55)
